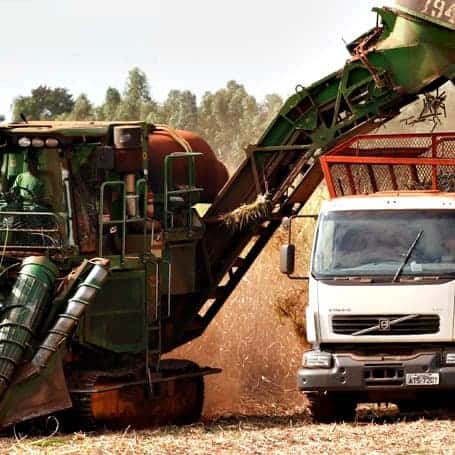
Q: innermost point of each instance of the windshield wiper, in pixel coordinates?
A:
(407, 257)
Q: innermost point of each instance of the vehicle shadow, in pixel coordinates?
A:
(366, 415)
(258, 420)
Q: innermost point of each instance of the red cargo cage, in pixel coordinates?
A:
(391, 162)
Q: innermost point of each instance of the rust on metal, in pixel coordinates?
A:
(363, 49)
(50, 396)
(119, 400)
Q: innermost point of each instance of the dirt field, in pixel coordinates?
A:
(255, 435)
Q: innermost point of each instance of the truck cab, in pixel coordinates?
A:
(382, 290)
(380, 316)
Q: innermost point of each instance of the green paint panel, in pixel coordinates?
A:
(409, 55)
(115, 320)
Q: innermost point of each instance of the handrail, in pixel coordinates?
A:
(124, 220)
(57, 242)
(190, 189)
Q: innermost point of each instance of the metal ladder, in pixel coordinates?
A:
(153, 324)
(155, 328)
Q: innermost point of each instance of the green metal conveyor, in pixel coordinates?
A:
(408, 54)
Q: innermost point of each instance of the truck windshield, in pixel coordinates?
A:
(375, 243)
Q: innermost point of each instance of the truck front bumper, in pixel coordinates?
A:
(353, 373)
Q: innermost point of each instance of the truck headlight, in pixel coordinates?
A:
(317, 359)
(450, 358)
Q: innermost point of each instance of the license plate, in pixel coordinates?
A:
(422, 379)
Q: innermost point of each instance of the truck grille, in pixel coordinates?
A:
(419, 325)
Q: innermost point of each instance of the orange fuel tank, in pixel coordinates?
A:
(211, 174)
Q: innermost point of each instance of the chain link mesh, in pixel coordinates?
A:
(358, 178)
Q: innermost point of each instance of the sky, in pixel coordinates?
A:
(88, 45)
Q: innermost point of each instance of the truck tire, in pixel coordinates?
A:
(331, 407)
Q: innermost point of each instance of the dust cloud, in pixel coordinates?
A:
(251, 339)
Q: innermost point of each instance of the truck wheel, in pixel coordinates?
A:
(332, 407)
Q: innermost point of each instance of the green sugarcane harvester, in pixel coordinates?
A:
(105, 264)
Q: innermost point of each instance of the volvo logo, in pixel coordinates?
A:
(384, 325)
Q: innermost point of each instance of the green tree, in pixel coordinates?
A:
(150, 112)
(227, 121)
(267, 112)
(83, 110)
(229, 118)
(137, 103)
(109, 109)
(44, 103)
(180, 110)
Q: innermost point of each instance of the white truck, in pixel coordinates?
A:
(380, 316)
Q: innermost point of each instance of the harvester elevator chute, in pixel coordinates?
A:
(390, 66)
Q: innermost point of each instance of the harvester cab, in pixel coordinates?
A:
(95, 184)
(55, 185)
(32, 204)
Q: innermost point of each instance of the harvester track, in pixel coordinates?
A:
(123, 396)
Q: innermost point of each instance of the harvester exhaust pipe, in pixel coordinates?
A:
(23, 312)
(128, 148)
(131, 196)
(74, 310)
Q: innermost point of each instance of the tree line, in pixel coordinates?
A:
(229, 118)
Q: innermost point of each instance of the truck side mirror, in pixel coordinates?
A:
(287, 259)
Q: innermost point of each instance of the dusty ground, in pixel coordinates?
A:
(256, 435)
